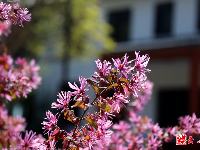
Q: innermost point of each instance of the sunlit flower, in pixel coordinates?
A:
(52, 121)
(63, 100)
(79, 91)
(30, 141)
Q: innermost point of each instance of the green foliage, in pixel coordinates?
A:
(65, 29)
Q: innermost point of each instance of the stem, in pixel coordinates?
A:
(92, 103)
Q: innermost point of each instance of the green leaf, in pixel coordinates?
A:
(104, 106)
(96, 88)
(92, 122)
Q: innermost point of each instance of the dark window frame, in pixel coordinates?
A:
(172, 103)
(164, 19)
(198, 15)
(120, 21)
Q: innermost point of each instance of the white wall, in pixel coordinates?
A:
(185, 17)
(166, 74)
(142, 20)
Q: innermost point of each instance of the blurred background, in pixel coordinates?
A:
(66, 36)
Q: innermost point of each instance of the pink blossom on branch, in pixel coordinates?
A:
(79, 91)
(30, 141)
(104, 68)
(14, 13)
(96, 131)
(141, 62)
(5, 27)
(16, 81)
(52, 122)
(10, 12)
(63, 100)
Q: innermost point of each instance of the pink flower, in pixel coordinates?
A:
(18, 81)
(189, 124)
(52, 121)
(14, 13)
(195, 123)
(116, 138)
(3, 113)
(154, 143)
(22, 15)
(137, 82)
(41, 139)
(122, 126)
(63, 100)
(52, 144)
(5, 10)
(155, 129)
(104, 68)
(33, 68)
(102, 132)
(169, 134)
(35, 80)
(30, 141)
(79, 92)
(123, 68)
(135, 141)
(148, 88)
(21, 62)
(118, 98)
(6, 59)
(134, 118)
(141, 62)
(5, 27)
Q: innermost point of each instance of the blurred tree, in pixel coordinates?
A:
(61, 28)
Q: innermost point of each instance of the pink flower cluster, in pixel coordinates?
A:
(140, 133)
(10, 133)
(14, 81)
(123, 77)
(5, 27)
(189, 125)
(131, 134)
(143, 97)
(12, 13)
(131, 88)
(132, 91)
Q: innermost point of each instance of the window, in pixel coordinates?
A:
(172, 104)
(198, 15)
(163, 23)
(120, 23)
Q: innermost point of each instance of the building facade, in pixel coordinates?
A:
(168, 31)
